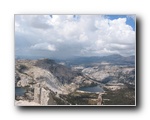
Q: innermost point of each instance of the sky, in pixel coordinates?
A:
(66, 36)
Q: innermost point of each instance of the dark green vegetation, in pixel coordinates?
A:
(21, 68)
(77, 98)
(124, 96)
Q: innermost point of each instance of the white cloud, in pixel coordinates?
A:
(113, 36)
(16, 24)
(83, 37)
(59, 40)
(51, 47)
(85, 34)
(44, 46)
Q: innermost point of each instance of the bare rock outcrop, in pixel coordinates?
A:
(26, 103)
(43, 96)
(99, 99)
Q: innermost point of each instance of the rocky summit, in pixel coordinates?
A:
(47, 82)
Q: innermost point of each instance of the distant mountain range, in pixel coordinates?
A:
(112, 59)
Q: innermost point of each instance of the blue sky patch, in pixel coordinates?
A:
(130, 19)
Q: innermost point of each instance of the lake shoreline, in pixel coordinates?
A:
(91, 89)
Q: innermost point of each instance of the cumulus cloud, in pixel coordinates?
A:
(83, 37)
(87, 35)
(44, 46)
